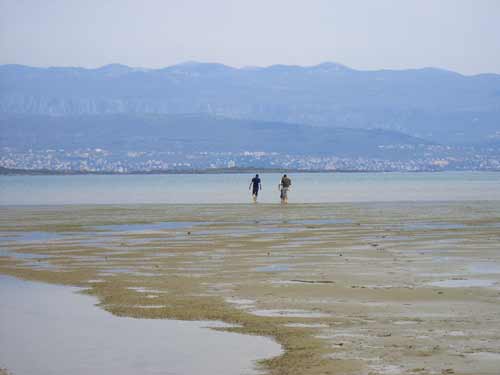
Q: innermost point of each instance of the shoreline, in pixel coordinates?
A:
(209, 171)
(248, 204)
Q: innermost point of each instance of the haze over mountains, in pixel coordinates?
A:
(194, 133)
(328, 109)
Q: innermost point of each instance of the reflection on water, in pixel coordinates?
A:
(50, 330)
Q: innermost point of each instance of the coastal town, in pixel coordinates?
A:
(98, 160)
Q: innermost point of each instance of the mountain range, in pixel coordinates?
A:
(327, 108)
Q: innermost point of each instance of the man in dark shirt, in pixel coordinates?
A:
(255, 185)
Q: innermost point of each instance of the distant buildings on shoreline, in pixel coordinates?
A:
(103, 161)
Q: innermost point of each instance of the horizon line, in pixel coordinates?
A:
(339, 66)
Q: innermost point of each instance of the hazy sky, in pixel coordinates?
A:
(461, 35)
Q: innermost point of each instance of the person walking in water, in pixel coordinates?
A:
(255, 185)
(284, 187)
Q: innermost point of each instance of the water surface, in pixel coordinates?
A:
(51, 330)
(233, 188)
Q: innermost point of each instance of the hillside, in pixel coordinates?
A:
(195, 133)
(437, 105)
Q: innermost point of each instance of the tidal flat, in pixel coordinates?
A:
(361, 288)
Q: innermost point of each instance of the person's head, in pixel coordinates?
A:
(284, 175)
(257, 175)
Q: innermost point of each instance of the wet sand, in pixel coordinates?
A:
(371, 288)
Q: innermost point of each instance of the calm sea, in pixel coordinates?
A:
(233, 188)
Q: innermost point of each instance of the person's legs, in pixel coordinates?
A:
(285, 195)
(255, 193)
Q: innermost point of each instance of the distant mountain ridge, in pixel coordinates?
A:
(189, 134)
(434, 104)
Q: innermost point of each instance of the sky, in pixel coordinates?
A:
(459, 35)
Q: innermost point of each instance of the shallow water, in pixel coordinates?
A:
(233, 188)
(47, 329)
(484, 268)
(4, 252)
(30, 236)
(290, 313)
(273, 268)
(431, 226)
(465, 283)
(321, 221)
(149, 226)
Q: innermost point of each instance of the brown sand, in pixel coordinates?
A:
(352, 297)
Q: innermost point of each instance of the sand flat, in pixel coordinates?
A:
(368, 288)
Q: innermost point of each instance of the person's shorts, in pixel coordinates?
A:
(255, 191)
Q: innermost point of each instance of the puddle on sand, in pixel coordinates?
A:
(306, 325)
(36, 261)
(39, 265)
(14, 254)
(467, 283)
(321, 221)
(242, 232)
(240, 301)
(164, 225)
(430, 226)
(47, 329)
(130, 271)
(405, 322)
(273, 268)
(484, 268)
(289, 282)
(289, 313)
(486, 356)
(30, 236)
(456, 333)
(342, 335)
(141, 289)
(387, 369)
(489, 361)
